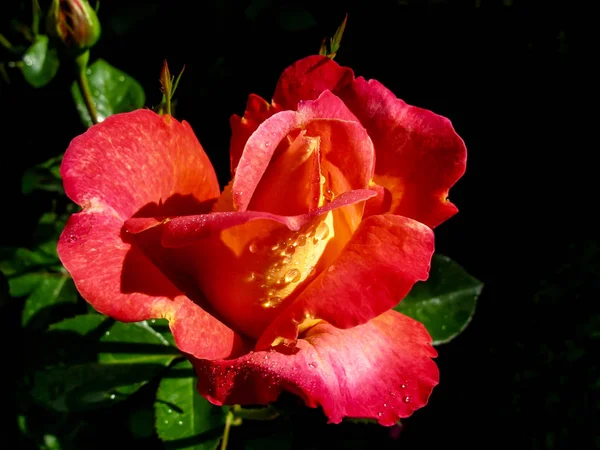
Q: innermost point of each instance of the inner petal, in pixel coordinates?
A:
(290, 185)
(259, 267)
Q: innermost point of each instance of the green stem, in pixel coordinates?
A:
(268, 413)
(82, 80)
(228, 422)
(37, 12)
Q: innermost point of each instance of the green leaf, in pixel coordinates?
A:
(161, 326)
(40, 62)
(17, 260)
(113, 91)
(93, 362)
(445, 303)
(43, 177)
(184, 419)
(51, 292)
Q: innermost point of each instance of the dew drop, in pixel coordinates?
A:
(112, 396)
(380, 414)
(322, 231)
(300, 240)
(253, 248)
(385, 405)
(121, 78)
(331, 268)
(89, 71)
(72, 238)
(289, 251)
(267, 144)
(407, 399)
(275, 247)
(393, 393)
(180, 422)
(107, 333)
(28, 61)
(312, 271)
(169, 411)
(292, 276)
(322, 179)
(166, 422)
(328, 194)
(153, 321)
(313, 364)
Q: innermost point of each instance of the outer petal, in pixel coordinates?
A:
(386, 256)
(419, 155)
(137, 160)
(380, 370)
(119, 280)
(144, 164)
(307, 78)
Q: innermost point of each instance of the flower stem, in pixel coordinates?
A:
(268, 413)
(82, 81)
(225, 438)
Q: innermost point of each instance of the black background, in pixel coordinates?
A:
(504, 72)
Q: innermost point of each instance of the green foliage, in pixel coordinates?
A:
(92, 361)
(43, 177)
(40, 62)
(184, 419)
(445, 303)
(112, 90)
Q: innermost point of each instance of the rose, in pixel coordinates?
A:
(286, 279)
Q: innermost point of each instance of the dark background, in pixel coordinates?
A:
(504, 72)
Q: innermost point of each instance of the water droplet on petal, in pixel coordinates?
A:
(380, 414)
(300, 240)
(407, 399)
(331, 268)
(322, 180)
(313, 364)
(267, 144)
(289, 251)
(253, 248)
(292, 276)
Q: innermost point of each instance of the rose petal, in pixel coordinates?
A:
(263, 143)
(257, 111)
(139, 163)
(239, 263)
(385, 257)
(307, 78)
(290, 185)
(419, 155)
(185, 230)
(380, 370)
(119, 280)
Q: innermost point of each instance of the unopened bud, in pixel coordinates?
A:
(74, 23)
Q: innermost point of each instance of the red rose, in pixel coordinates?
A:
(287, 280)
